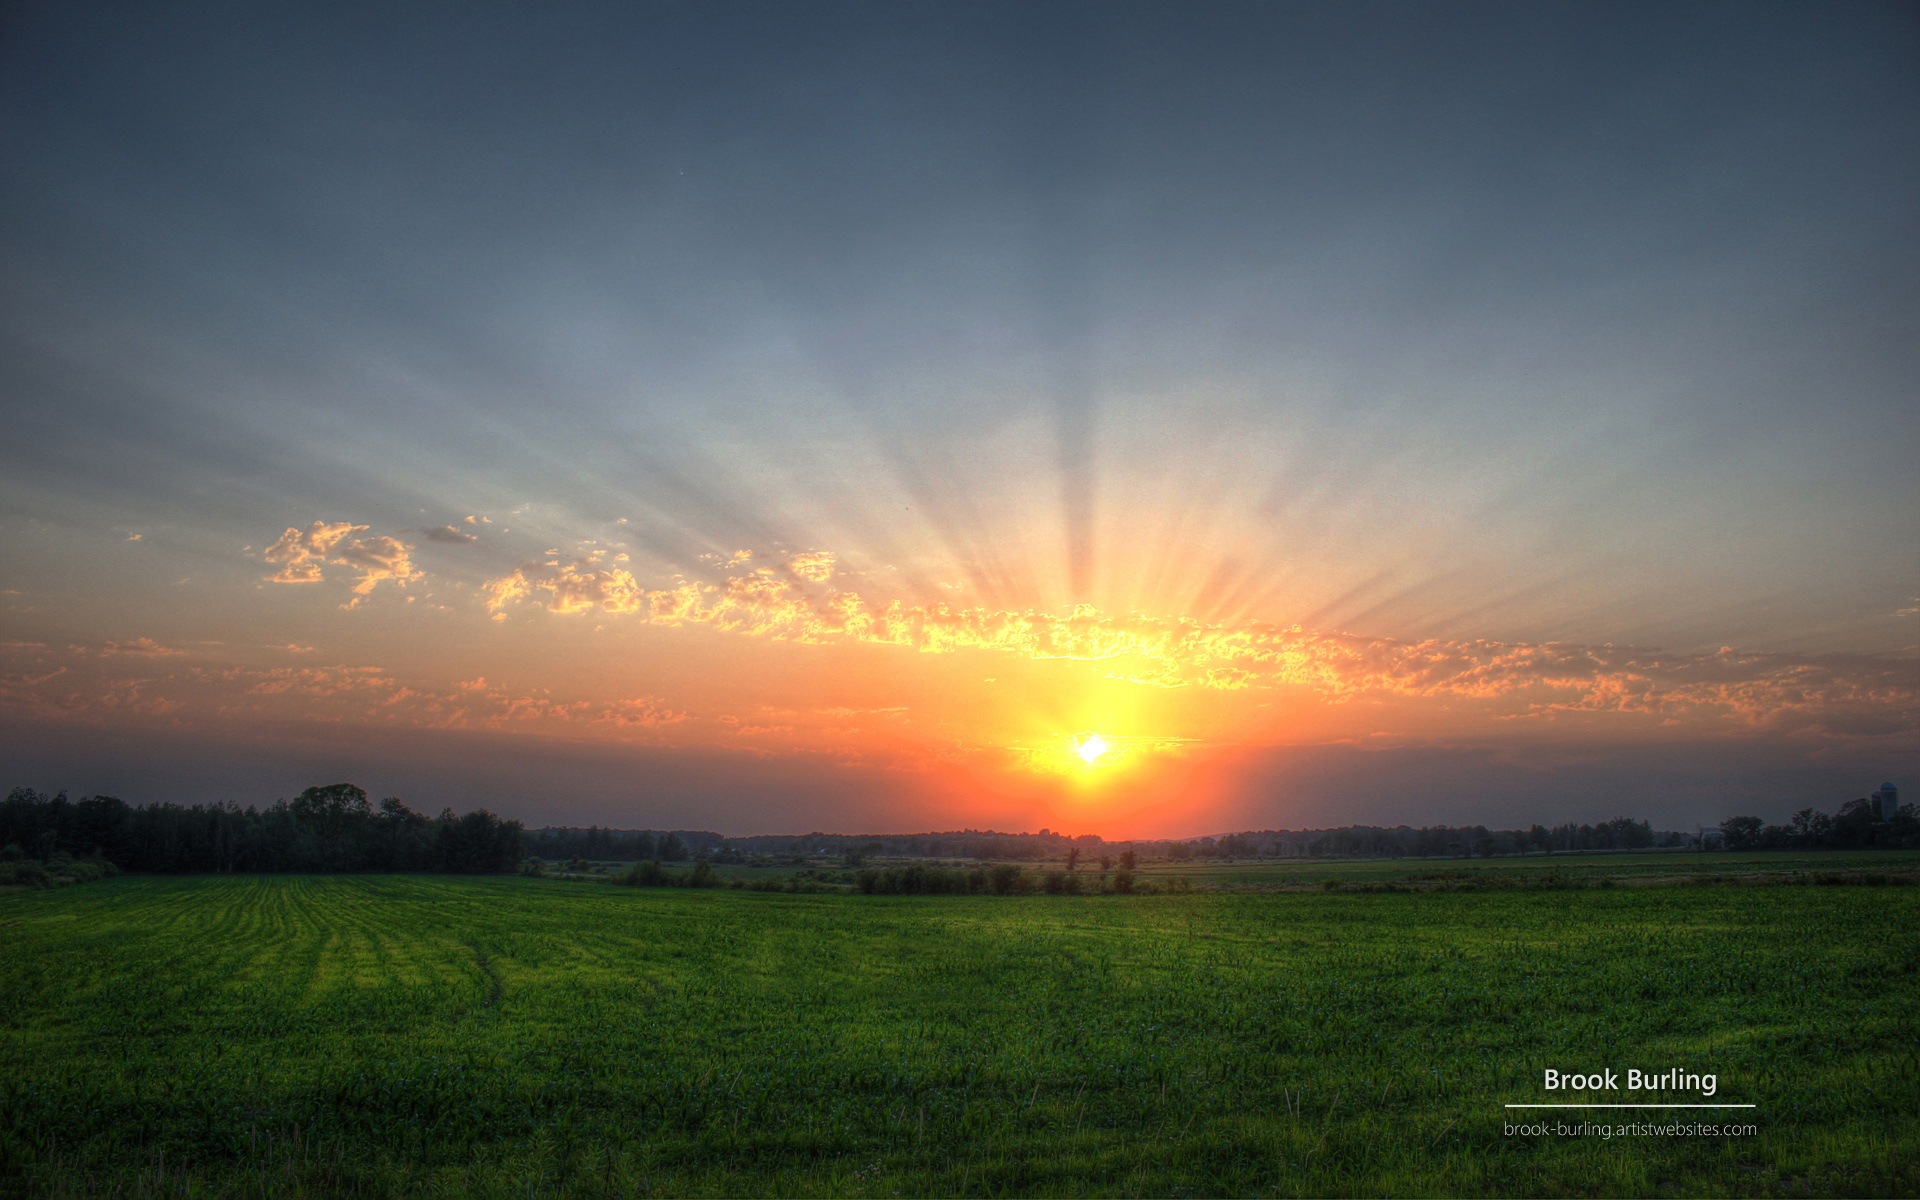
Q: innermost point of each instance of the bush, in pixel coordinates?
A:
(60, 870)
(27, 872)
(1005, 879)
(649, 874)
(1061, 883)
(921, 881)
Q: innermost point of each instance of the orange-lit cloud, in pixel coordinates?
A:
(302, 553)
(815, 567)
(1858, 693)
(91, 687)
(143, 647)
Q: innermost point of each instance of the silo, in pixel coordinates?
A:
(1887, 801)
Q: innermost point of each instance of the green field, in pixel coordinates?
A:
(526, 1037)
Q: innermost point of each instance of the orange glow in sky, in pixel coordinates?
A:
(1092, 446)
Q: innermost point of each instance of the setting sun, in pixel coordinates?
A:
(1090, 746)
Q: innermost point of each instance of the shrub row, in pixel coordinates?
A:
(60, 869)
(651, 874)
(1003, 879)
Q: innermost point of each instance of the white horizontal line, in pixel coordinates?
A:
(1633, 1106)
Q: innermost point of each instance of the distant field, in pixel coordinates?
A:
(524, 1037)
(1624, 866)
(1629, 865)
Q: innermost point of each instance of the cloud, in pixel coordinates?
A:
(815, 566)
(577, 588)
(646, 712)
(377, 558)
(450, 534)
(302, 554)
(187, 691)
(143, 647)
(1862, 694)
(1912, 610)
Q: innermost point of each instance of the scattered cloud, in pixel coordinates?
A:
(302, 553)
(186, 692)
(1912, 610)
(451, 534)
(647, 712)
(377, 558)
(1836, 693)
(133, 537)
(577, 588)
(815, 566)
(143, 647)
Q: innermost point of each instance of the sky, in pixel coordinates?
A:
(779, 417)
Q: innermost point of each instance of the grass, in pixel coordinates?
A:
(511, 1036)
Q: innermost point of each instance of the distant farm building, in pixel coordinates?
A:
(1886, 801)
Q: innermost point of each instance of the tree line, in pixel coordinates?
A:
(332, 828)
(1356, 841)
(1856, 826)
(563, 844)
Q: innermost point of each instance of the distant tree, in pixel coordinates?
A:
(1073, 857)
(1128, 860)
(1904, 828)
(1741, 833)
(1812, 826)
(647, 873)
(1853, 824)
(333, 806)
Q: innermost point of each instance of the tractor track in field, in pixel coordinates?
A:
(495, 988)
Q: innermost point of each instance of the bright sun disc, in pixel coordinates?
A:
(1090, 747)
